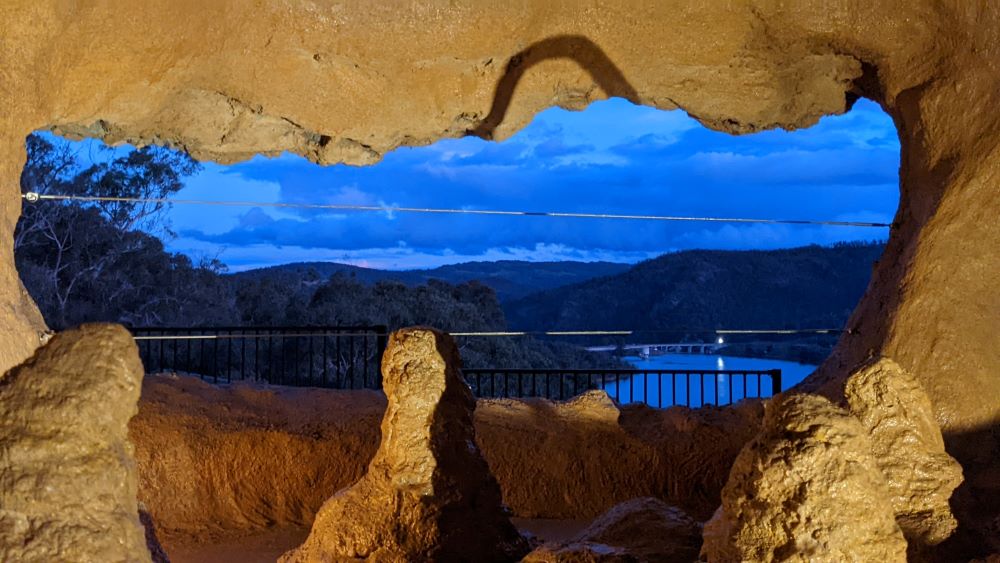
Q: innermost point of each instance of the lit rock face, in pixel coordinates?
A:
(428, 494)
(67, 477)
(642, 529)
(190, 437)
(680, 455)
(907, 446)
(806, 489)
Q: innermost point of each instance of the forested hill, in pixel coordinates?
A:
(808, 287)
(510, 279)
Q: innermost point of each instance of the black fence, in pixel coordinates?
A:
(335, 357)
(656, 388)
(350, 358)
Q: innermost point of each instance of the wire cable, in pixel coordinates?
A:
(491, 334)
(34, 197)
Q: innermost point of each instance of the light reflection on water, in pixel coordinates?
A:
(696, 390)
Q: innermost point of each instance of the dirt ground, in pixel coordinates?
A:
(259, 546)
(249, 465)
(264, 546)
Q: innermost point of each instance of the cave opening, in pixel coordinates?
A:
(267, 263)
(159, 266)
(352, 82)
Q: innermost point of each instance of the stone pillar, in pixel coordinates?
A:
(428, 494)
(67, 474)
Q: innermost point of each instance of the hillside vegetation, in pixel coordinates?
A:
(510, 279)
(100, 262)
(692, 293)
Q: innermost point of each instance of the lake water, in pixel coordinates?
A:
(695, 390)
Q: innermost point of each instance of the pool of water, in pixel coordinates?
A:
(696, 390)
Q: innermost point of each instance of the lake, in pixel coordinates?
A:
(695, 390)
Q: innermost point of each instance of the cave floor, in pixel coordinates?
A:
(266, 546)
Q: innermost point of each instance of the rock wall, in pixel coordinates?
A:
(210, 459)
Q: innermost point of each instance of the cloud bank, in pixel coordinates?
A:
(613, 157)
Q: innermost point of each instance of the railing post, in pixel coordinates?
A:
(775, 381)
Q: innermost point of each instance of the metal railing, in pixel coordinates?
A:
(350, 358)
(656, 388)
(334, 357)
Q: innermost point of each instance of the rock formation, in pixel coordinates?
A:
(907, 446)
(428, 494)
(642, 529)
(806, 489)
(67, 477)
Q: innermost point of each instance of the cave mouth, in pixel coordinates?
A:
(173, 263)
(612, 157)
(318, 81)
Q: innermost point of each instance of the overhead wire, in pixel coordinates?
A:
(491, 334)
(33, 197)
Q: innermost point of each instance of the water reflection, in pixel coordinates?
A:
(697, 389)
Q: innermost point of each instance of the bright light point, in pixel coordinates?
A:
(720, 340)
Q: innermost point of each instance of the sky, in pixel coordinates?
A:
(613, 157)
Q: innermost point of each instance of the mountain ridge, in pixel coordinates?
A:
(804, 287)
(511, 279)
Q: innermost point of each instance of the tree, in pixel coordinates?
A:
(149, 173)
(96, 260)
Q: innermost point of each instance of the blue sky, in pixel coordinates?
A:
(612, 157)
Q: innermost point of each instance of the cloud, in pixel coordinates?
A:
(400, 257)
(614, 158)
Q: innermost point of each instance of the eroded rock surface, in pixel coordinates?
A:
(680, 455)
(192, 438)
(67, 477)
(428, 494)
(642, 529)
(215, 460)
(907, 446)
(806, 489)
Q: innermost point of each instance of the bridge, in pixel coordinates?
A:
(646, 350)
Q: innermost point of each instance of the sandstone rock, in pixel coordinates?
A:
(806, 489)
(209, 456)
(428, 494)
(642, 529)
(236, 458)
(907, 445)
(67, 477)
(648, 528)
